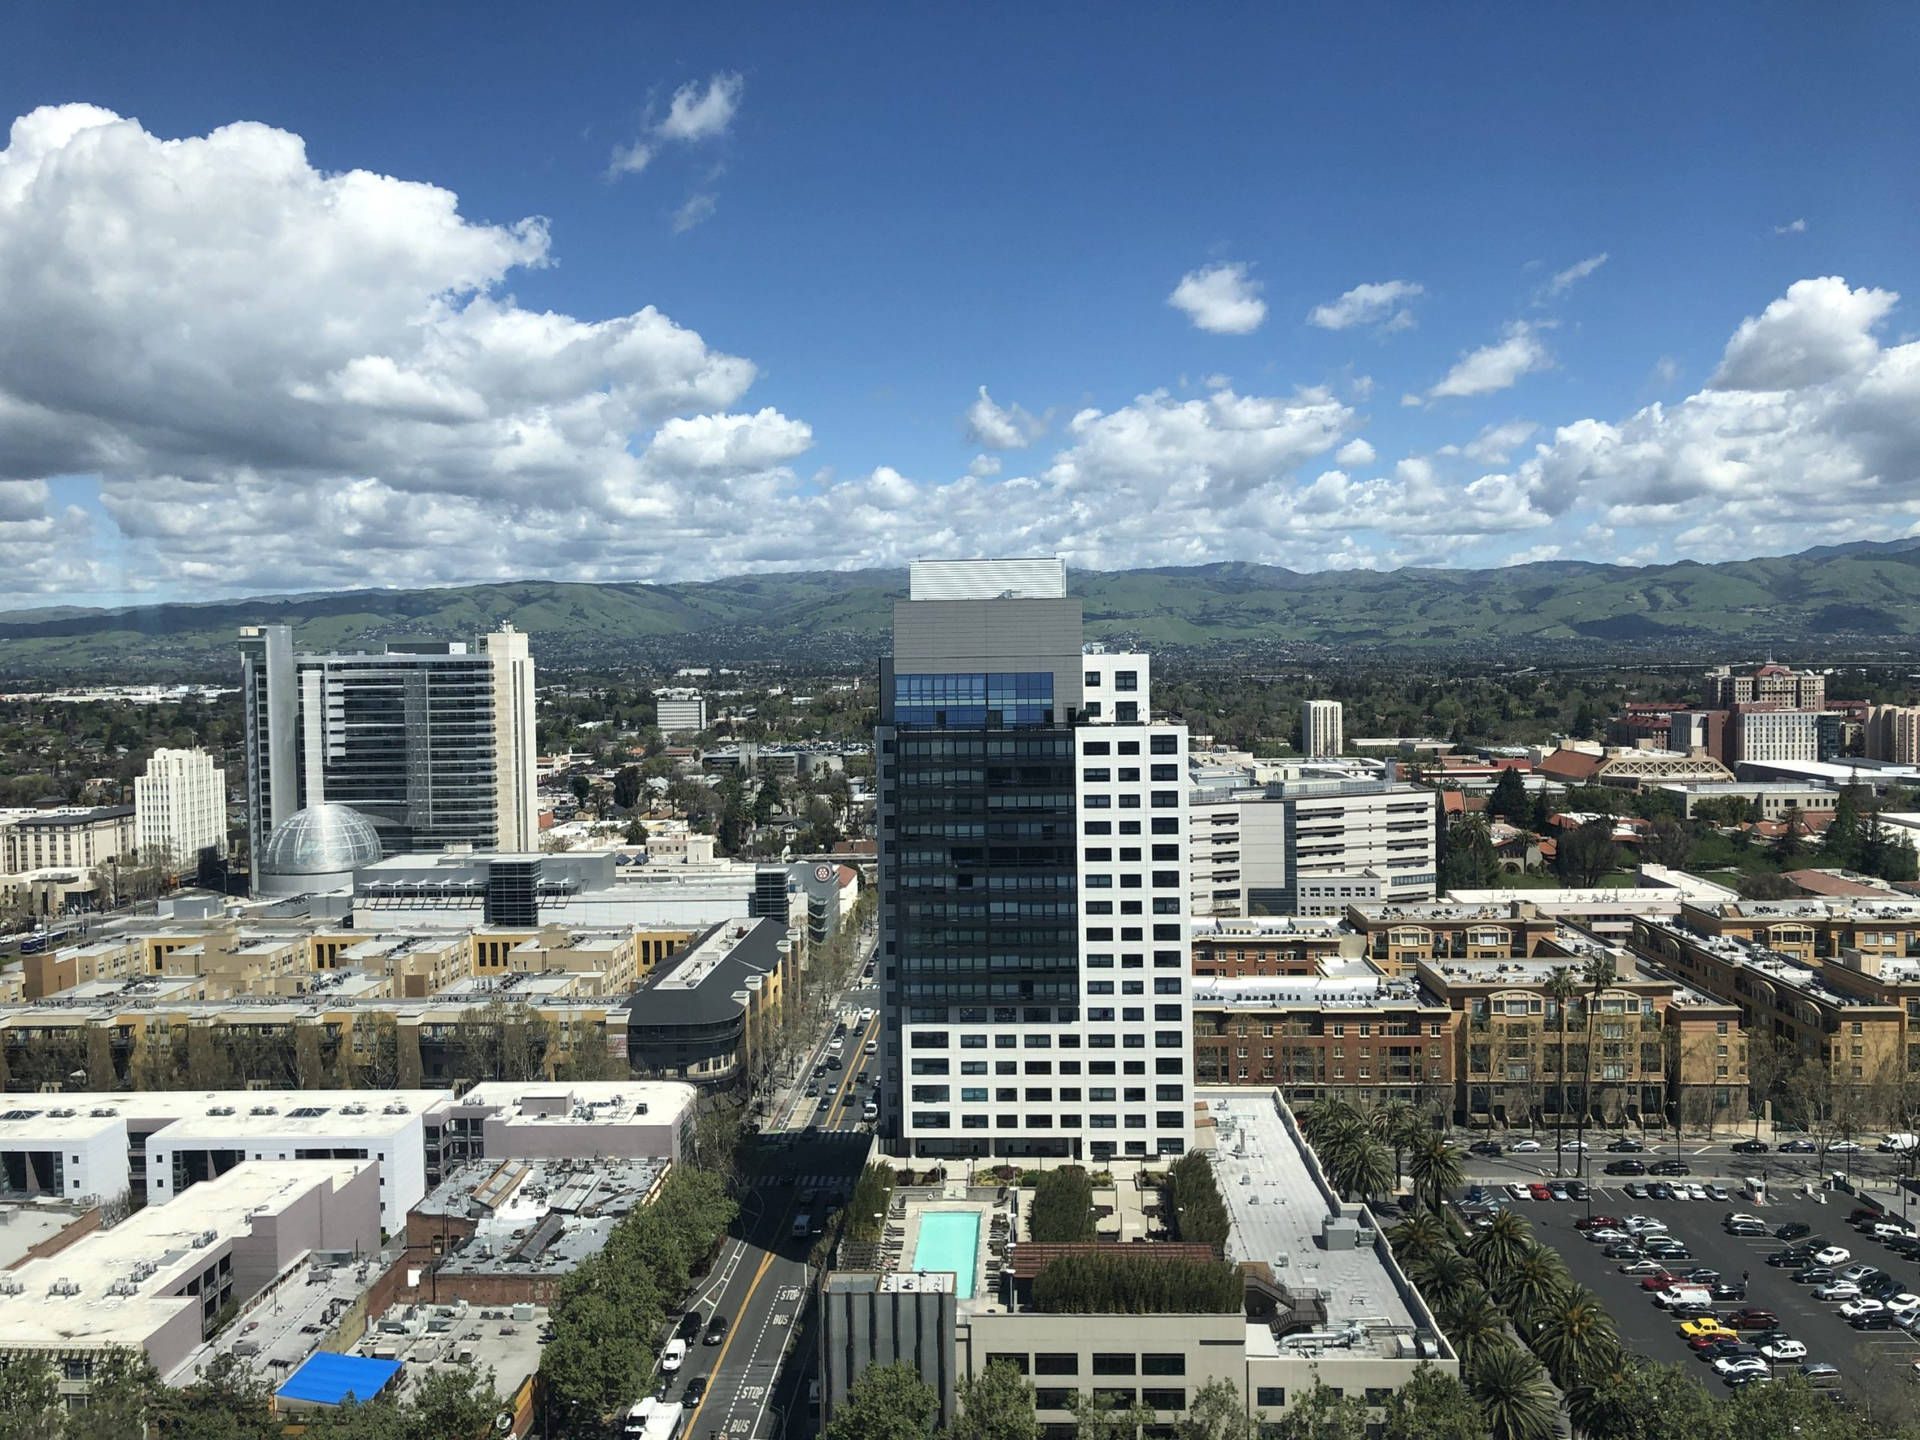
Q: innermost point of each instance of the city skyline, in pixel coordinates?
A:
(665, 299)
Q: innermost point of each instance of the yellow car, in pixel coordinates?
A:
(1707, 1325)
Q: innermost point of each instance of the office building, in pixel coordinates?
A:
(1771, 684)
(180, 807)
(1320, 728)
(433, 742)
(1033, 882)
(1760, 733)
(680, 711)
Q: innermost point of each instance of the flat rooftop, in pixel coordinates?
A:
(1278, 1207)
(1270, 927)
(110, 1287)
(1506, 908)
(581, 1102)
(429, 1338)
(1265, 991)
(539, 1217)
(29, 1119)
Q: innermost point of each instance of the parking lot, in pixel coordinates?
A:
(1868, 1360)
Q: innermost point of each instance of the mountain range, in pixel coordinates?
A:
(1857, 597)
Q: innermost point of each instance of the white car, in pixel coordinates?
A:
(1608, 1236)
(1750, 1365)
(836, 1045)
(1575, 1145)
(1844, 1147)
(1832, 1255)
(1519, 1192)
(1524, 1147)
(1641, 1224)
(1837, 1290)
(1865, 1305)
(1740, 1217)
(1680, 1191)
(674, 1356)
(866, 1014)
(1784, 1350)
(1903, 1305)
(1695, 1191)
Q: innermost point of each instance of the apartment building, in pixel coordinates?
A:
(1770, 684)
(1269, 946)
(72, 837)
(432, 741)
(1399, 938)
(1892, 733)
(1321, 728)
(180, 807)
(1033, 878)
(680, 711)
(1760, 733)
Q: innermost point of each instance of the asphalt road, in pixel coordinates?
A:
(757, 1376)
(1707, 1159)
(1868, 1361)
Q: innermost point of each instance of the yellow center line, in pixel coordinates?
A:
(839, 1095)
(732, 1330)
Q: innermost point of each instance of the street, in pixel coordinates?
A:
(803, 1163)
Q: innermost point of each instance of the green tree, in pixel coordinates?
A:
(1514, 1394)
(1433, 1405)
(1323, 1413)
(996, 1404)
(120, 1398)
(1436, 1166)
(1585, 853)
(1669, 843)
(1790, 847)
(1062, 1208)
(1470, 863)
(1400, 1124)
(29, 1398)
(1902, 862)
(635, 833)
(888, 1402)
(1598, 973)
(581, 787)
(1419, 1240)
(1561, 988)
(225, 1401)
(1475, 1325)
(1360, 1165)
(1631, 1396)
(1575, 1334)
(1096, 1417)
(627, 784)
(1841, 844)
(1532, 1282)
(1452, 1279)
(1216, 1411)
(1509, 801)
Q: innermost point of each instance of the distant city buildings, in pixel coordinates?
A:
(680, 711)
(180, 807)
(1320, 728)
(1770, 684)
(1893, 733)
(74, 837)
(432, 742)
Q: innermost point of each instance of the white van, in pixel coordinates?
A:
(802, 1223)
(1899, 1142)
(870, 1111)
(674, 1356)
(1684, 1295)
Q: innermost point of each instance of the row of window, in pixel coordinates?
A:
(1128, 774)
(1045, 1067)
(942, 1120)
(1011, 1094)
(1158, 744)
(1101, 1363)
(1162, 825)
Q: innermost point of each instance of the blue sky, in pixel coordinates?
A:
(233, 367)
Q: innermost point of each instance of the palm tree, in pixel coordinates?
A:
(1599, 972)
(1560, 989)
(1516, 1398)
(1576, 1335)
(1360, 1165)
(1329, 1119)
(1419, 1239)
(1495, 1249)
(1475, 1325)
(1436, 1166)
(1399, 1124)
(1448, 1279)
(1536, 1278)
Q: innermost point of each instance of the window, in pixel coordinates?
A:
(1379, 1395)
(1096, 775)
(1175, 1399)
(1097, 827)
(973, 1094)
(1164, 744)
(1092, 682)
(1098, 802)
(973, 1122)
(1274, 1396)
(972, 1067)
(1051, 1399)
(973, 1042)
(929, 1067)
(1126, 713)
(1127, 747)
(1165, 825)
(1110, 1363)
(1166, 774)
(1099, 853)
(1166, 852)
(1163, 1364)
(1126, 680)
(1166, 984)
(1016, 1359)
(929, 1040)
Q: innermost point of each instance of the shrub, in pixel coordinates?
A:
(1098, 1283)
(1199, 1214)
(1062, 1206)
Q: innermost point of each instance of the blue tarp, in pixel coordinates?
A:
(329, 1379)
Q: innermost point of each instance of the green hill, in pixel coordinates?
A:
(1853, 597)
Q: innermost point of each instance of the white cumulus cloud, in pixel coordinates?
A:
(1000, 427)
(1223, 299)
(1574, 274)
(1378, 303)
(1355, 454)
(698, 113)
(1495, 367)
(1819, 330)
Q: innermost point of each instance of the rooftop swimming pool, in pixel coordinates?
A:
(950, 1240)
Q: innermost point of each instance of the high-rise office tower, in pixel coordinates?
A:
(1033, 890)
(431, 741)
(180, 807)
(1320, 727)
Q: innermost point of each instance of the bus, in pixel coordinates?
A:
(652, 1419)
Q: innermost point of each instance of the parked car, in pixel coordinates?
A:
(1636, 1192)
(1875, 1320)
(1819, 1373)
(1597, 1222)
(1837, 1290)
(1859, 1272)
(696, 1391)
(716, 1330)
(1748, 1227)
(1749, 1147)
(674, 1356)
(1642, 1267)
(1622, 1250)
(1607, 1236)
(1716, 1192)
(1669, 1167)
(1572, 1147)
(1861, 1306)
(1845, 1147)
(1792, 1230)
(1733, 1366)
(1577, 1189)
(1832, 1255)
(1706, 1325)
(1903, 1302)
(1751, 1319)
(1726, 1290)
(1525, 1147)
(1695, 1191)
(1519, 1191)
(1626, 1145)
(1880, 1286)
(1700, 1275)
(1559, 1191)
(689, 1326)
(1625, 1167)
(1798, 1147)
(1814, 1275)
(1485, 1147)
(1659, 1279)
(1539, 1191)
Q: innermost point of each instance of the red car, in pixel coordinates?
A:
(1597, 1222)
(1540, 1192)
(1750, 1319)
(1660, 1281)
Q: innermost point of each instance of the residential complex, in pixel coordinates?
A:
(1033, 880)
(680, 711)
(77, 837)
(1770, 684)
(1320, 728)
(1892, 733)
(180, 807)
(432, 742)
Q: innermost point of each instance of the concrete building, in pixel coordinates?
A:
(1321, 1297)
(74, 837)
(1759, 734)
(680, 711)
(1033, 878)
(1771, 798)
(162, 1280)
(432, 741)
(707, 1016)
(1770, 684)
(1893, 733)
(180, 807)
(1320, 728)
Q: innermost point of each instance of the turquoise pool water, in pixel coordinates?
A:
(949, 1240)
